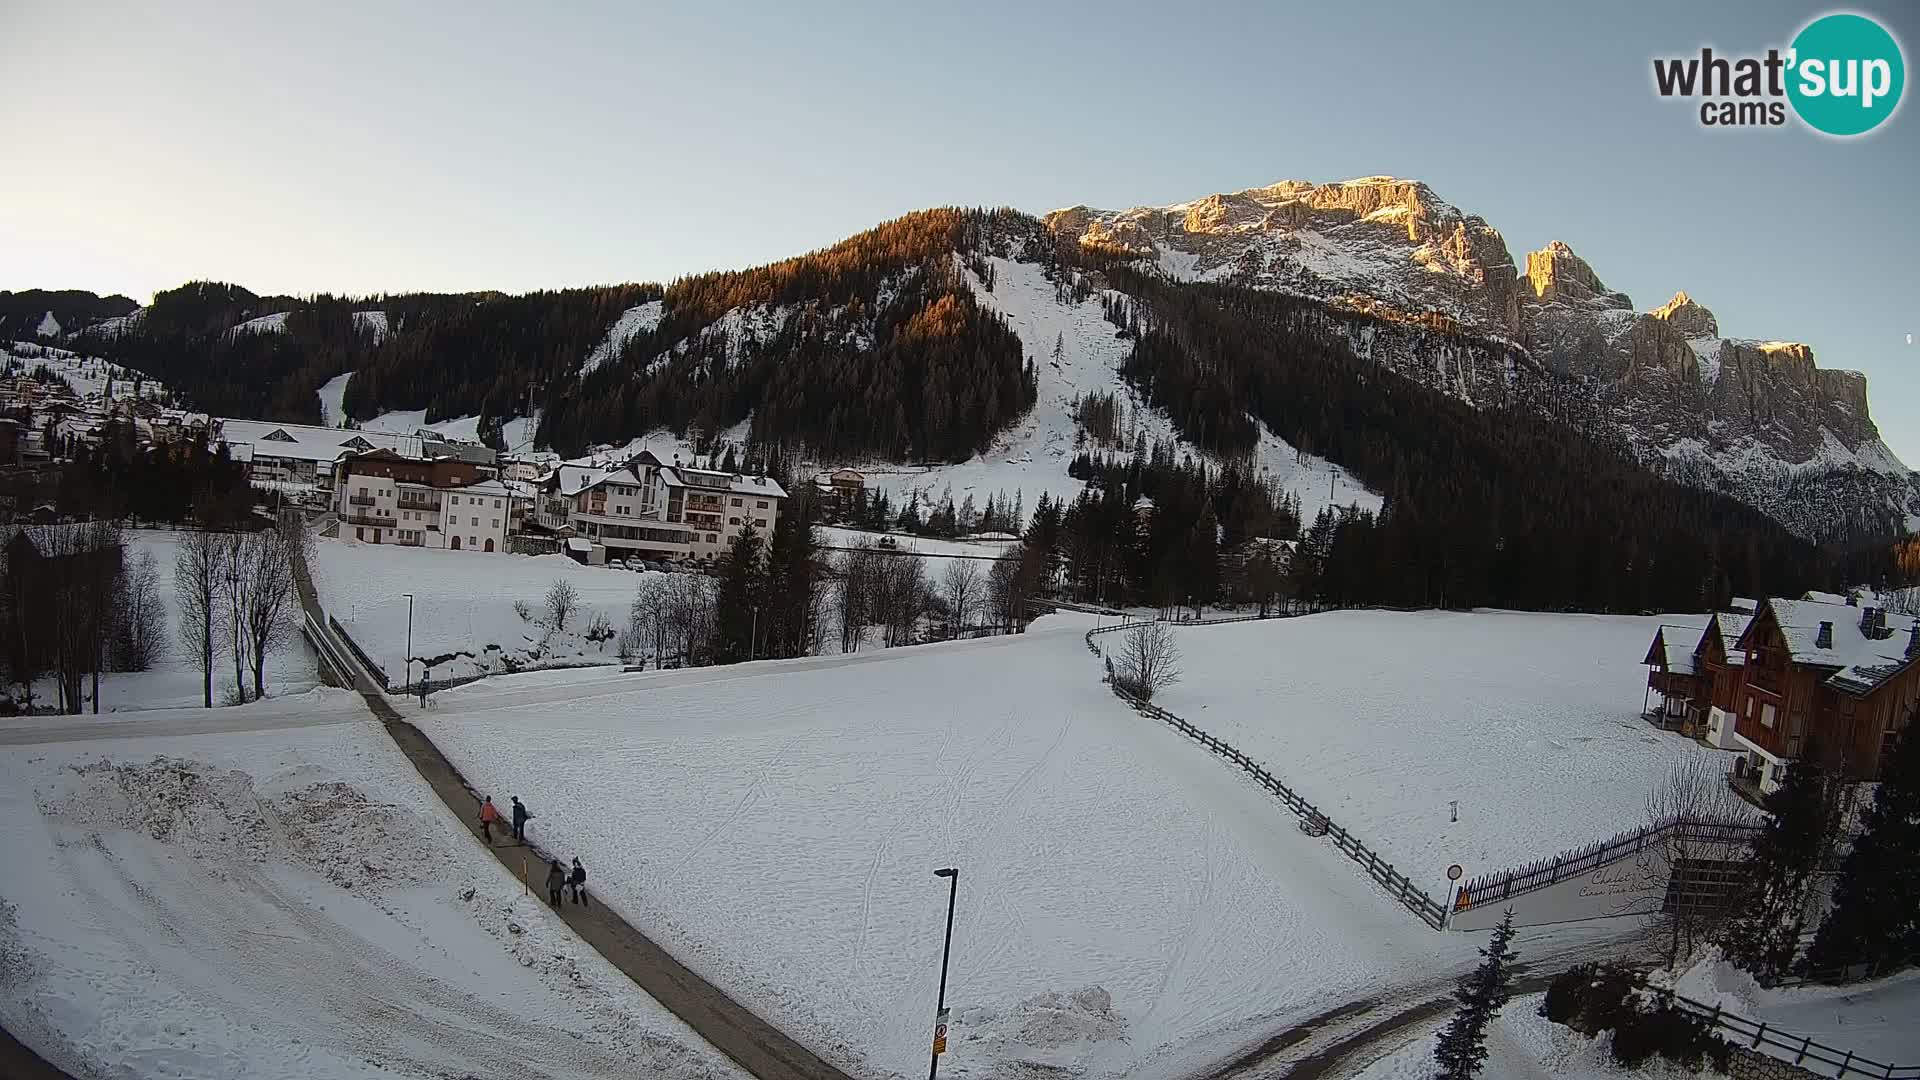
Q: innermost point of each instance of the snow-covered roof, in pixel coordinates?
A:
(574, 479)
(1673, 648)
(1863, 662)
(579, 543)
(305, 442)
(482, 487)
(1823, 597)
(1732, 624)
(1743, 605)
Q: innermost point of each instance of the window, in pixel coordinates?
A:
(496, 523)
(736, 502)
(1766, 716)
(712, 539)
(476, 522)
(456, 500)
(363, 491)
(496, 504)
(472, 540)
(760, 523)
(733, 521)
(761, 505)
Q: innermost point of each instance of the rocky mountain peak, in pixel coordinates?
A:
(1556, 275)
(1687, 318)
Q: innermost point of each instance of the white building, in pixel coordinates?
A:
(649, 510)
(303, 454)
(382, 497)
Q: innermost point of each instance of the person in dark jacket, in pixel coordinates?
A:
(578, 880)
(556, 880)
(520, 817)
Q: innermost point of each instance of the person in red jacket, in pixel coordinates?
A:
(489, 817)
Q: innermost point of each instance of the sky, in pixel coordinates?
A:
(370, 147)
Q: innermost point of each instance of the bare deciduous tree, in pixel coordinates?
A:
(197, 572)
(562, 599)
(1683, 873)
(962, 581)
(1149, 660)
(859, 573)
(266, 623)
(142, 630)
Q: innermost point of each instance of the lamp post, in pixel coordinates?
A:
(407, 676)
(952, 874)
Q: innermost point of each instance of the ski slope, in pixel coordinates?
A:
(1126, 906)
(1530, 721)
(290, 900)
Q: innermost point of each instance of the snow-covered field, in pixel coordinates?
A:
(289, 901)
(1531, 722)
(463, 603)
(1126, 906)
(175, 680)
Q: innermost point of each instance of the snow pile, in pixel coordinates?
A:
(289, 903)
(1382, 719)
(632, 323)
(776, 826)
(464, 619)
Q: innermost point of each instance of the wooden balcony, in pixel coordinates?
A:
(360, 500)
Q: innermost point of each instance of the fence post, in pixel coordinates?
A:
(1758, 1034)
(1805, 1042)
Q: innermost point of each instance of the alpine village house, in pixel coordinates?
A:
(1829, 675)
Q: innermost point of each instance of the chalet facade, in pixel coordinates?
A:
(385, 497)
(1837, 677)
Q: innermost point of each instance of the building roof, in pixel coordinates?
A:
(1863, 663)
(1731, 625)
(306, 442)
(1670, 649)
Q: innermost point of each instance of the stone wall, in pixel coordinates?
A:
(1754, 1065)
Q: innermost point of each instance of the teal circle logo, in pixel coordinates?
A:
(1847, 74)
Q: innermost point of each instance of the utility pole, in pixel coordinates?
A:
(952, 874)
(407, 676)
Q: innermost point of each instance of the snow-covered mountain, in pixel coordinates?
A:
(1758, 420)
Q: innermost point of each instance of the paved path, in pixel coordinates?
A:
(734, 1030)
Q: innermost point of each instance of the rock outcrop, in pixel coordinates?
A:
(1758, 419)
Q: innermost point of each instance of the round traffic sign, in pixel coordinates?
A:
(1454, 872)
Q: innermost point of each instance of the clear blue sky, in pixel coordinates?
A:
(361, 147)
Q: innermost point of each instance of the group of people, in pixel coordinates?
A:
(560, 880)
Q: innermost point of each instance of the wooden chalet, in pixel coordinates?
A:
(1836, 676)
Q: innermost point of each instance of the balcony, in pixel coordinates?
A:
(419, 504)
(369, 519)
(361, 500)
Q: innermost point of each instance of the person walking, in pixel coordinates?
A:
(578, 879)
(520, 818)
(489, 817)
(556, 880)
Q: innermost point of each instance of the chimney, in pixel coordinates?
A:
(1824, 639)
(1873, 623)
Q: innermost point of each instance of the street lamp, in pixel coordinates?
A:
(407, 676)
(952, 874)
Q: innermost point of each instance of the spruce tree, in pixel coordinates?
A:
(1875, 918)
(1801, 831)
(742, 600)
(1462, 1048)
(792, 581)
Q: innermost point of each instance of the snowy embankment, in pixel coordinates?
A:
(1875, 1020)
(464, 619)
(1523, 1045)
(175, 680)
(1382, 719)
(288, 902)
(1126, 905)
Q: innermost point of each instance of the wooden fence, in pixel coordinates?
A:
(1425, 908)
(1798, 1050)
(1503, 885)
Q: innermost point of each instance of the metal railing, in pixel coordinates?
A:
(360, 500)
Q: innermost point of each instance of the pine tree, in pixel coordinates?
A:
(1462, 1048)
(1202, 569)
(793, 574)
(1801, 832)
(1875, 917)
(742, 599)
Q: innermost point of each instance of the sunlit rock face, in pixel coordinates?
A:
(1757, 419)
